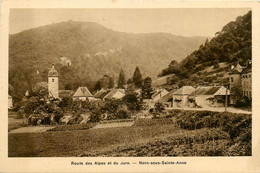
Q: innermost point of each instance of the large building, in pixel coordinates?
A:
(240, 79)
(53, 83)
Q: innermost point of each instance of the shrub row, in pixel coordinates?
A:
(151, 122)
(73, 127)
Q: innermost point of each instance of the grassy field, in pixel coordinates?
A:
(79, 142)
(147, 137)
(14, 122)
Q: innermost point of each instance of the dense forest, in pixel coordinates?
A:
(93, 51)
(211, 62)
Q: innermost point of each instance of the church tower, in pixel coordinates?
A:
(53, 83)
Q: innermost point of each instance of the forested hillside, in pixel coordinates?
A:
(211, 62)
(93, 50)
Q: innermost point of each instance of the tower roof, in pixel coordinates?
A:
(53, 72)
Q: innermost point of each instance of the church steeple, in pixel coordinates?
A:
(53, 83)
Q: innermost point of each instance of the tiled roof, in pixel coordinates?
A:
(200, 91)
(101, 94)
(82, 92)
(111, 93)
(157, 93)
(212, 90)
(185, 90)
(167, 97)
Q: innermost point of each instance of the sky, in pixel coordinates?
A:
(183, 22)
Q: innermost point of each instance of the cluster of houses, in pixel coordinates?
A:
(82, 93)
(186, 96)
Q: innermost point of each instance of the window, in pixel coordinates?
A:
(52, 80)
(232, 80)
(249, 75)
(246, 76)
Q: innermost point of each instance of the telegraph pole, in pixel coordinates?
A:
(226, 100)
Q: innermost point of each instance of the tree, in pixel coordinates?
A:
(105, 82)
(132, 100)
(147, 88)
(41, 90)
(111, 83)
(129, 81)
(121, 79)
(137, 77)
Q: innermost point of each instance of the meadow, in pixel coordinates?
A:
(181, 133)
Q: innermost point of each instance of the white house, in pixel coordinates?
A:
(180, 97)
(208, 96)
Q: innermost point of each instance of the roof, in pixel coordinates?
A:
(157, 93)
(212, 90)
(185, 90)
(200, 91)
(101, 93)
(65, 93)
(209, 90)
(168, 96)
(53, 72)
(111, 93)
(237, 69)
(82, 92)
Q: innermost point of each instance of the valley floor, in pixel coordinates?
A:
(147, 137)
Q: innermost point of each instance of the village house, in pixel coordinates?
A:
(83, 94)
(115, 94)
(159, 94)
(240, 78)
(180, 97)
(166, 100)
(209, 96)
(101, 94)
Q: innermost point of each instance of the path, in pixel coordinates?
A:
(110, 125)
(32, 129)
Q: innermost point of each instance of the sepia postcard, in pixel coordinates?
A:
(129, 86)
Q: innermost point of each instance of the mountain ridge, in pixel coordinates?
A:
(94, 51)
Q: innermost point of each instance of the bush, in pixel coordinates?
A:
(73, 127)
(95, 116)
(123, 114)
(159, 107)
